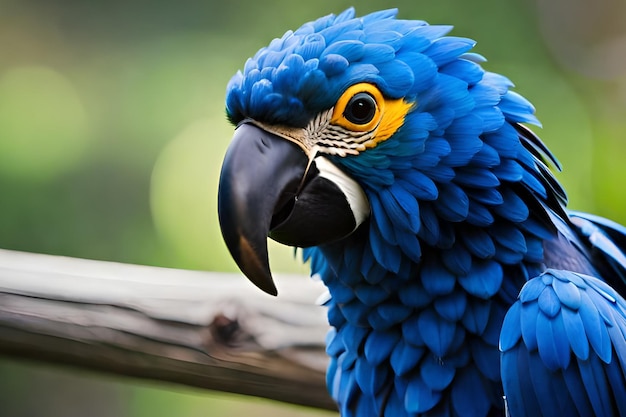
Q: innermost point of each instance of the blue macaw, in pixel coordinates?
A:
(459, 285)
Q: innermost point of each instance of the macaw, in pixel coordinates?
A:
(458, 282)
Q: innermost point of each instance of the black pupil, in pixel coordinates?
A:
(360, 109)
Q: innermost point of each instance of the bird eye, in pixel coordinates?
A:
(367, 116)
(360, 109)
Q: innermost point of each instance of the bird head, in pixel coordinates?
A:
(359, 122)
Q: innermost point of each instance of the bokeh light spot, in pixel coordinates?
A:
(43, 124)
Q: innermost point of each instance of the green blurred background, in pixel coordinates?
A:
(112, 130)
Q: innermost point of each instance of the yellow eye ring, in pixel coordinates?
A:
(363, 109)
(359, 108)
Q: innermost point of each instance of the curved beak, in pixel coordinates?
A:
(267, 187)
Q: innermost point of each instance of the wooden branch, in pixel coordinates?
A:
(208, 330)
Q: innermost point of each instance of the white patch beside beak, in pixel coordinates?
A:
(355, 195)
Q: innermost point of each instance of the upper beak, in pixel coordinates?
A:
(266, 189)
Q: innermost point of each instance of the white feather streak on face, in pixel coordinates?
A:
(351, 189)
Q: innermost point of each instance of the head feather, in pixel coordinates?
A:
(305, 71)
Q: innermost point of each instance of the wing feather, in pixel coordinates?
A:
(570, 354)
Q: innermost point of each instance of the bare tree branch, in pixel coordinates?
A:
(208, 330)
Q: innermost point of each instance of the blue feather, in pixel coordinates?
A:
(505, 141)
(439, 331)
(312, 48)
(529, 326)
(575, 331)
(567, 292)
(342, 293)
(382, 219)
(447, 94)
(572, 379)
(334, 344)
(513, 208)
(419, 397)
(509, 170)
(379, 17)
(389, 257)
(452, 306)
(534, 250)
(453, 204)
(348, 29)
(395, 405)
(483, 280)
(430, 230)
(440, 174)
(486, 97)
(419, 186)
(498, 81)
(436, 373)
(444, 50)
(405, 357)
(491, 117)
(487, 359)
(413, 295)
(364, 407)
(486, 157)
(370, 295)
(536, 228)
(594, 329)
(379, 345)
(333, 64)
(378, 53)
(512, 380)
(507, 256)
(553, 352)
(490, 197)
(398, 78)
(424, 70)
(468, 394)
(478, 243)
(473, 57)
(335, 316)
(385, 37)
(377, 322)
(436, 279)
(542, 388)
(471, 73)
(393, 313)
(435, 149)
(411, 333)
(431, 32)
(354, 312)
(458, 260)
(595, 385)
(511, 329)
(509, 236)
(350, 50)
(517, 109)
(462, 135)
(476, 177)
(618, 386)
(408, 203)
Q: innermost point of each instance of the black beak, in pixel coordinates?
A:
(266, 190)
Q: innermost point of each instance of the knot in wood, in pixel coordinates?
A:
(224, 329)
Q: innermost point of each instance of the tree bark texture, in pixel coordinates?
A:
(208, 330)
